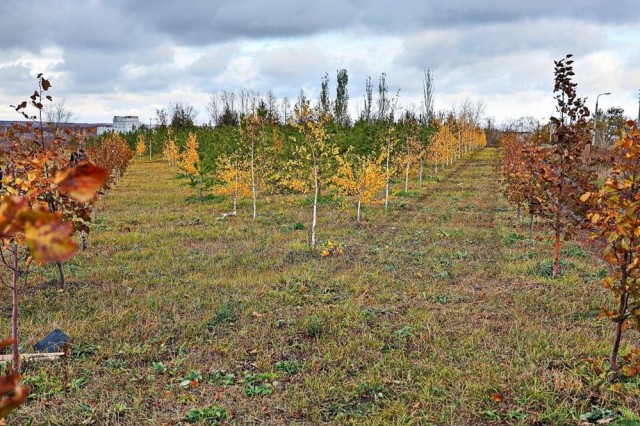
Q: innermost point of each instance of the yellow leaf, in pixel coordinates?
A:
(48, 239)
(9, 210)
(628, 371)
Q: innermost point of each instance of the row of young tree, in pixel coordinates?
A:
(314, 153)
(45, 197)
(556, 178)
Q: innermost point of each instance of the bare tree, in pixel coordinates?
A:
(393, 107)
(214, 108)
(471, 113)
(248, 101)
(254, 100)
(243, 97)
(427, 88)
(58, 114)
(286, 109)
(272, 107)
(162, 117)
(229, 114)
(302, 98)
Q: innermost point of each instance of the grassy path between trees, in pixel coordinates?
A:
(438, 312)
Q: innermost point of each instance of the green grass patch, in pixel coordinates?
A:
(432, 309)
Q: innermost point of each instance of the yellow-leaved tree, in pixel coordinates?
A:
(252, 138)
(361, 177)
(391, 140)
(191, 165)
(235, 180)
(442, 147)
(313, 157)
(171, 152)
(412, 150)
(141, 147)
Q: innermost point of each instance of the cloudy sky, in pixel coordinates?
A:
(118, 57)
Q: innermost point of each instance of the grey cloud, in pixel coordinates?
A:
(214, 61)
(205, 22)
(480, 47)
(450, 48)
(80, 24)
(127, 25)
(293, 62)
(412, 15)
(16, 87)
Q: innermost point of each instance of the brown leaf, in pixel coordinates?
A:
(9, 382)
(7, 405)
(82, 181)
(9, 210)
(48, 239)
(6, 343)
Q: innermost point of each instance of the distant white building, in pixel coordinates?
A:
(121, 124)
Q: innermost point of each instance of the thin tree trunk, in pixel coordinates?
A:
(253, 187)
(235, 192)
(235, 204)
(83, 245)
(63, 281)
(421, 172)
(622, 310)
(556, 252)
(406, 178)
(314, 220)
(15, 313)
(358, 212)
(531, 226)
(386, 187)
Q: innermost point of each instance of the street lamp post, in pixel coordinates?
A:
(595, 118)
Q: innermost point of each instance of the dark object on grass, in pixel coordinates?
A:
(52, 342)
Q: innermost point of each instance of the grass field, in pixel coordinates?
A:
(439, 311)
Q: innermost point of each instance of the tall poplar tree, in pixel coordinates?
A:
(341, 105)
